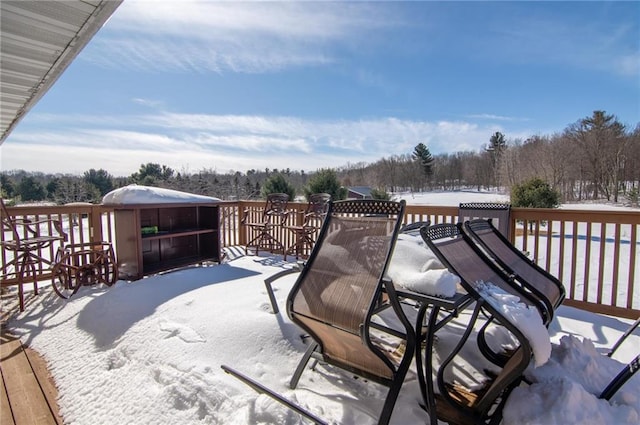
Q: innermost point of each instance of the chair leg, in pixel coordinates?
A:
(303, 363)
(389, 403)
(20, 275)
(21, 295)
(298, 246)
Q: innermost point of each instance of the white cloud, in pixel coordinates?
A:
(247, 37)
(230, 142)
(494, 117)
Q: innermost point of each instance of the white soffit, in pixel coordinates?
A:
(38, 40)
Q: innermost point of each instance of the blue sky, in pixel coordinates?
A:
(306, 85)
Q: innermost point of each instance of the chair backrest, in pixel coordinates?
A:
(341, 284)
(414, 228)
(8, 224)
(463, 258)
(496, 210)
(316, 209)
(276, 205)
(535, 279)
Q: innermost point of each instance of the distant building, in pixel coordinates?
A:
(359, 192)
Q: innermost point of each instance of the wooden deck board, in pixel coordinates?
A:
(6, 418)
(28, 388)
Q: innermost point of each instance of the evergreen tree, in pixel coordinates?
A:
(30, 189)
(7, 190)
(326, 180)
(380, 194)
(534, 193)
(52, 188)
(276, 183)
(423, 156)
(101, 179)
(497, 145)
(495, 149)
(151, 172)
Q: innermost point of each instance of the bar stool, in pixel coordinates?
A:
(274, 214)
(25, 249)
(305, 234)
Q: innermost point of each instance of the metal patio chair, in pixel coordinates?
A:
(304, 234)
(534, 278)
(30, 239)
(339, 291)
(541, 284)
(83, 264)
(273, 215)
(456, 404)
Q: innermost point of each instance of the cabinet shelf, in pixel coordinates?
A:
(176, 233)
(186, 234)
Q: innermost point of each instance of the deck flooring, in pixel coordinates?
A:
(28, 394)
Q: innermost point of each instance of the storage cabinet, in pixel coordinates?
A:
(151, 238)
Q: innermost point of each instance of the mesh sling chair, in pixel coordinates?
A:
(25, 248)
(274, 214)
(456, 404)
(339, 291)
(542, 285)
(535, 279)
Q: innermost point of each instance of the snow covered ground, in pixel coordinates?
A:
(149, 352)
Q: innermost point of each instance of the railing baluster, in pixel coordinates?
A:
(562, 250)
(633, 263)
(574, 250)
(603, 235)
(616, 262)
(587, 262)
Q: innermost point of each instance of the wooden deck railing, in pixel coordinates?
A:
(596, 254)
(81, 223)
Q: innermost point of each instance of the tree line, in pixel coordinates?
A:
(597, 157)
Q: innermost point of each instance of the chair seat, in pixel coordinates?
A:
(30, 243)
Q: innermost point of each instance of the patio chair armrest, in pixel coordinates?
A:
(246, 214)
(268, 281)
(281, 218)
(31, 226)
(58, 226)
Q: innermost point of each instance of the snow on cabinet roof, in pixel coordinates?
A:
(137, 194)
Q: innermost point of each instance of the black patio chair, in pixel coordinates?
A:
(339, 291)
(455, 403)
(534, 278)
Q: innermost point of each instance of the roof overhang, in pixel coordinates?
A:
(38, 40)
